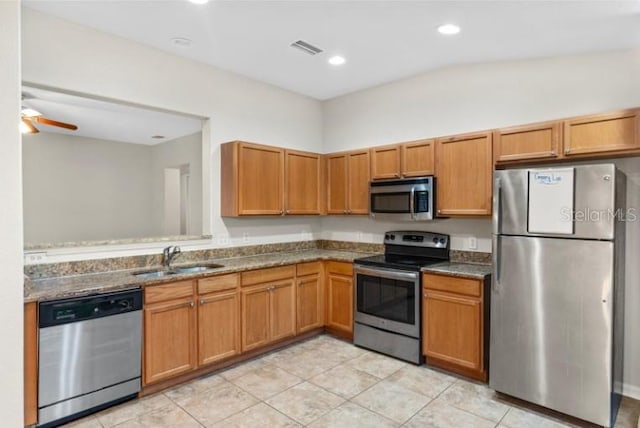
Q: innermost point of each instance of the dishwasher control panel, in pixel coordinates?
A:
(85, 308)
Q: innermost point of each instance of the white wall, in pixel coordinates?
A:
(11, 292)
(172, 154)
(64, 55)
(470, 98)
(476, 97)
(81, 189)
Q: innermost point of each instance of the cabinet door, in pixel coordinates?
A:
(260, 180)
(310, 307)
(603, 133)
(337, 184)
(358, 182)
(282, 314)
(464, 169)
(385, 162)
(539, 141)
(30, 363)
(302, 182)
(169, 339)
(218, 326)
(451, 329)
(417, 158)
(340, 302)
(255, 317)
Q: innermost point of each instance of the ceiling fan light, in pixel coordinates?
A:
(24, 127)
(29, 112)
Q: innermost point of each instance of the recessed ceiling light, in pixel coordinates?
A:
(158, 137)
(183, 42)
(448, 29)
(199, 1)
(337, 60)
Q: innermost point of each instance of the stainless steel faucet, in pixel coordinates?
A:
(170, 253)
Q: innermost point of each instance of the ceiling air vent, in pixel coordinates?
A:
(306, 47)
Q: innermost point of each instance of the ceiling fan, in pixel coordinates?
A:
(29, 117)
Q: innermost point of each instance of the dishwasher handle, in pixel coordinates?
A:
(65, 311)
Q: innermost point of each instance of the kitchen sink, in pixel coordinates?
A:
(198, 268)
(155, 274)
(177, 271)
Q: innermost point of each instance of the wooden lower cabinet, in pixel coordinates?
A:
(339, 308)
(30, 363)
(453, 324)
(169, 339)
(310, 307)
(218, 326)
(268, 309)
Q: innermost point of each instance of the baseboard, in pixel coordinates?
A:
(631, 391)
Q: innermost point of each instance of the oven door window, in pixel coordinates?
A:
(390, 202)
(386, 298)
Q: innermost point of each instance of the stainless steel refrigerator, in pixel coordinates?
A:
(558, 288)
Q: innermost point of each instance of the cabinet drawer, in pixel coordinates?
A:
(341, 268)
(174, 290)
(218, 283)
(266, 275)
(466, 286)
(308, 268)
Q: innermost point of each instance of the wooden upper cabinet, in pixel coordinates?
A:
(531, 142)
(385, 162)
(252, 181)
(411, 159)
(303, 182)
(358, 182)
(417, 158)
(337, 184)
(464, 169)
(265, 180)
(348, 182)
(603, 133)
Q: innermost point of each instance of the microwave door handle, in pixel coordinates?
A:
(412, 198)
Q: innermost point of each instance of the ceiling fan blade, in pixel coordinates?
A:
(28, 124)
(45, 121)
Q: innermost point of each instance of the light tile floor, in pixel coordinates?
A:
(325, 382)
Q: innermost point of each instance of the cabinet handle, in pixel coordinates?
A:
(202, 302)
(424, 295)
(344, 211)
(553, 152)
(281, 212)
(288, 211)
(192, 304)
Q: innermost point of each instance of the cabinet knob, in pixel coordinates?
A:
(202, 302)
(288, 211)
(281, 212)
(567, 151)
(349, 211)
(424, 295)
(192, 304)
(553, 152)
(345, 211)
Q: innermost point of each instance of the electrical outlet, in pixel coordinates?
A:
(473, 243)
(35, 258)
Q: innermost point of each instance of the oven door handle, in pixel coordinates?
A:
(386, 273)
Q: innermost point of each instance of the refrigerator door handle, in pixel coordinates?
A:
(496, 263)
(497, 206)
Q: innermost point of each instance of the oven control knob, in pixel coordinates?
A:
(435, 240)
(392, 237)
(442, 241)
(387, 236)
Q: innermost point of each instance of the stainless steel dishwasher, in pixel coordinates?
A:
(89, 354)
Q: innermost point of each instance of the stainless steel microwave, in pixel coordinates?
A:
(404, 199)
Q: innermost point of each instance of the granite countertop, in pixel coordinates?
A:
(81, 285)
(464, 270)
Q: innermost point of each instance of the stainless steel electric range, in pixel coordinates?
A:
(387, 293)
